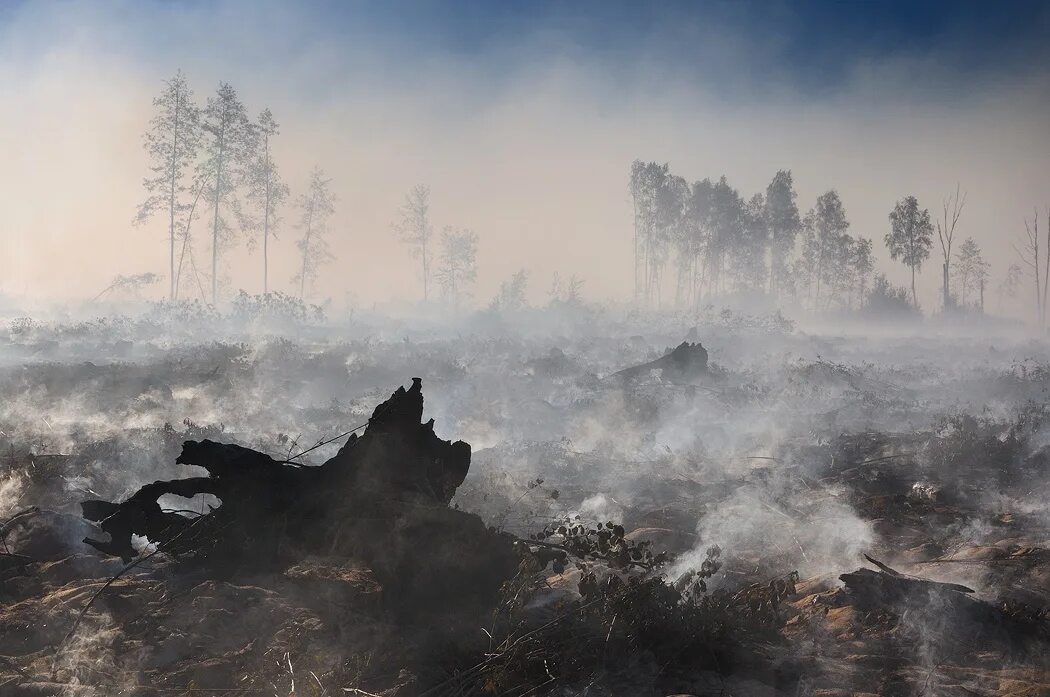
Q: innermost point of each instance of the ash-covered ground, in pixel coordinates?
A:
(813, 511)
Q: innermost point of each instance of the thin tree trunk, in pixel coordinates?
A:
(1038, 294)
(215, 219)
(947, 293)
(820, 272)
(1046, 275)
(634, 204)
(266, 219)
(426, 266)
(186, 237)
(306, 249)
(171, 199)
(914, 297)
(773, 263)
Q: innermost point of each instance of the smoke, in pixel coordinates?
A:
(828, 539)
(11, 487)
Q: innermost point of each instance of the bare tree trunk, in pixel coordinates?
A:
(1046, 275)
(186, 238)
(773, 290)
(1038, 295)
(637, 286)
(306, 250)
(215, 225)
(820, 272)
(266, 219)
(914, 297)
(947, 296)
(426, 267)
(171, 199)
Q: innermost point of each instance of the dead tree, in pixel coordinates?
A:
(952, 210)
(1029, 254)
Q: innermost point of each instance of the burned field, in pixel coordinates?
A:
(582, 512)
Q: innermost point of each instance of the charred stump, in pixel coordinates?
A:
(383, 498)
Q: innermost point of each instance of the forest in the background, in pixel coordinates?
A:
(701, 241)
(215, 185)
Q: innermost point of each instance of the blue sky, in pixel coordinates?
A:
(808, 45)
(740, 49)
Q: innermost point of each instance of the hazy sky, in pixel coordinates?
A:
(523, 118)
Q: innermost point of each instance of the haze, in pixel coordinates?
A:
(523, 121)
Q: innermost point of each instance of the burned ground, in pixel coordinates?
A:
(698, 532)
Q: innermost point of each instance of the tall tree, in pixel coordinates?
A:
(415, 230)
(783, 223)
(910, 237)
(695, 236)
(459, 267)
(952, 210)
(727, 215)
(749, 252)
(1030, 255)
(824, 242)
(671, 194)
(971, 270)
(1007, 288)
(266, 190)
(858, 264)
(648, 185)
(227, 157)
(315, 208)
(172, 143)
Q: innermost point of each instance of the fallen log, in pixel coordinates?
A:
(682, 365)
(943, 604)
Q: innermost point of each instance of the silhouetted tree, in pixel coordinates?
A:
(415, 230)
(511, 296)
(565, 292)
(971, 270)
(910, 237)
(459, 251)
(315, 208)
(1030, 256)
(726, 224)
(1007, 288)
(227, 157)
(952, 210)
(783, 223)
(648, 188)
(858, 264)
(825, 245)
(885, 299)
(266, 189)
(670, 203)
(748, 250)
(172, 143)
(695, 233)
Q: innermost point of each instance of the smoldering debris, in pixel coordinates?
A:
(655, 535)
(682, 365)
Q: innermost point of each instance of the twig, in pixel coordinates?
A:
(128, 567)
(291, 461)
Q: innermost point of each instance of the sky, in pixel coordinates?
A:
(523, 118)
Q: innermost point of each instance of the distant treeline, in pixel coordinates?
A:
(715, 242)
